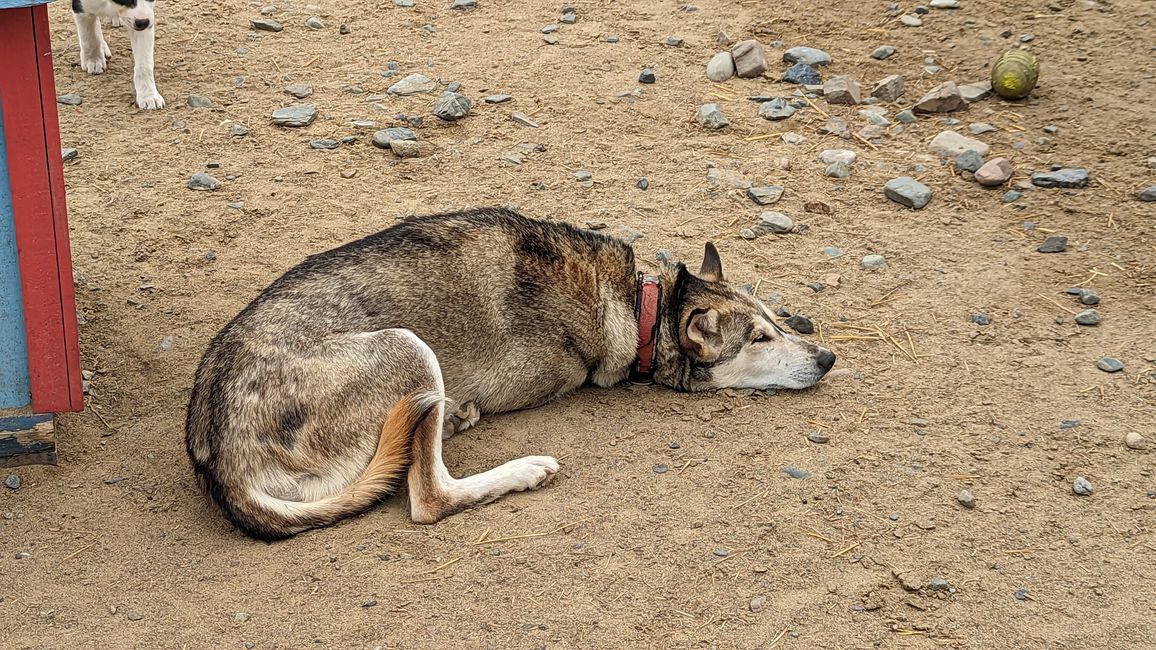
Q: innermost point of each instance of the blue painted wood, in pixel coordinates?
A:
(17, 4)
(15, 390)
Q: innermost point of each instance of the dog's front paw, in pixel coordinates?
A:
(105, 49)
(150, 101)
(115, 22)
(534, 471)
(94, 63)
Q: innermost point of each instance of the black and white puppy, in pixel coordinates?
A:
(137, 17)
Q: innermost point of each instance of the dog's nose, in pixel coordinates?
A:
(826, 360)
(141, 24)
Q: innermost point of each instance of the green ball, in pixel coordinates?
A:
(1014, 74)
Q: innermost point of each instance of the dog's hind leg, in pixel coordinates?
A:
(143, 44)
(465, 417)
(93, 50)
(434, 494)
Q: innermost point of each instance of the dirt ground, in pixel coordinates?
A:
(724, 550)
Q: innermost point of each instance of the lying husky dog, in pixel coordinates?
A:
(312, 403)
(137, 17)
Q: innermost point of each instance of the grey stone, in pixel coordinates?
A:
(404, 4)
(363, 124)
(1110, 364)
(647, 76)
(974, 92)
(1082, 487)
(235, 205)
(296, 115)
(69, 99)
(831, 251)
(889, 88)
(875, 116)
(68, 153)
(1054, 244)
(871, 262)
(1086, 296)
(133, 615)
(842, 90)
(796, 473)
(643, 184)
(1088, 317)
(412, 84)
(748, 233)
(836, 126)
(776, 109)
(672, 41)
(265, 25)
(775, 222)
(550, 29)
(757, 604)
(905, 117)
(790, 137)
(801, 73)
(583, 175)
(711, 116)
(324, 143)
(750, 61)
(765, 194)
(408, 148)
(463, 5)
(845, 156)
(837, 170)
(882, 52)
(1011, 196)
(523, 119)
(966, 499)
(944, 4)
(721, 552)
(910, 21)
(451, 106)
(199, 101)
(202, 182)
(551, 39)
(497, 99)
(314, 23)
(969, 161)
(300, 91)
(811, 56)
(1148, 194)
(938, 584)
(1068, 177)
(800, 324)
(979, 128)
(384, 137)
(720, 67)
(950, 144)
(981, 319)
(12, 482)
(908, 192)
(238, 130)
(1134, 440)
(944, 98)
(569, 17)
(1051, 129)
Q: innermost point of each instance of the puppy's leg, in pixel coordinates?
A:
(434, 494)
(147, 96)
(93, 50)
(465, 417)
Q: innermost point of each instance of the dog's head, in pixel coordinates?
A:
(716, 336)
(135, 14)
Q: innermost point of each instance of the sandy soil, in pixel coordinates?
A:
(124, 551)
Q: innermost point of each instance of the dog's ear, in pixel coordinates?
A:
(711, 270)
(703, 333)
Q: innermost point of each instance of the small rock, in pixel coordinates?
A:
(766, 194)
(845, 156)
(1133, 441)
(1061, 178)
(660, 468)
(265, 25)
(979, 128)
(241, 617)
(750, 61)
(802, 74)
(238, 130)
(966, 499)
(1088, 317)
(324, 143)
(882, 52)
(1022, 594)
(314, 23)
(550, 29)
(404, 4)
(1082, 487)
(1148, 194)
(497, 99)
(1011, 196)
(836, 126)
(748, 233)
(134, 615)
(910, 21)
(583, 175)
(295, 116)
(950, 144)
(972, 93)
(672, 41)
(944, 4)
(938, 584)
(409, 148)
(981, 319)
(905, 117)
(711, 116)
(889, 88)
(412, 85)
(384, 137)
(809, 55)
(1086, 296)
(523, 119)
(202, 182)
(344, 29)
(969, 161)
(1110, 364)
(871, 262)
(235, 205)
(721, 552)
(791, 137)
(838, 170)
(775, 222)
(69, 100)
(720, 67)
(995, 172)
(300, 91)
(371, 602)
(647, 76)
(569, 18)
(776, 109)
(68, 153)
(800, 324)
(841, 90)
(794, 472)
(1054, 244)
(944, 98)
(463, 5)
(451, 106)
(13, 482)
(818, 437)
(199, 101)
(908, 192)
(550, 39)
(643, 183)
(757, 604)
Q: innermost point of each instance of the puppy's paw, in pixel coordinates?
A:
(105, 49)
(93, 64)
(150, 101)
(532, 472)
(115, 22)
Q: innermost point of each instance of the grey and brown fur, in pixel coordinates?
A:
(333, 384)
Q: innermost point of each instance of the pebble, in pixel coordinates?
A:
(313, 22)
(837, 170)
(1051, 129)
(944, 98)
(133, 615)
(811, 56)
(748, 233)
(23, 556)
(69, 99)
(550, 29)
(404, 4)
(757, 604)
(1011, 196)
(300, 91)
(463, 5)
(1068, 177)
(238, 130)
(583, 175)
(711, 116)
(235, 205)
(791, 137)
(1133, 441)
(409, 148)
(1148, 194)
(908, 192)
(1021, 594)
(905, 117)
(384, 137)
(800, 324)
(451, 106)
(944, 4)
(660, 468)
(68, 153)
(841, 90)
(776, 109)
(750, 60)
(938, 584)
(765, 194)
(199, 101)
(836, 126)
(950, 144)
(910, 21)
(1086, 296)
(795, 472)
(202, 182)
(672, 41)
(969, 161)
(643, 183)
(720, 67)
(889, 88)
(972, 93)
(994, 172)
(1054, 244)
(871, 262)
(721, 552)
(1110, 364)
(265, 25)
(241, 617)
(803, 74)
(1082, 487)
(981, 319)
(647, 76)
(324, 143)
(775, 222)
(569, 17)
(12, 482)
(523, 119)
(882, 52)
(979, 128)
(966, 499)
(295, 116)
(412, 85)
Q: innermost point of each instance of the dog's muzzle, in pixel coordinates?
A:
(141, 24)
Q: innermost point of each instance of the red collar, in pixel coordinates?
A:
(648, 315)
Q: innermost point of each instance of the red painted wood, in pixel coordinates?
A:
(28, 99)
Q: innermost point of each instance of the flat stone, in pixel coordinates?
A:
(265, 25)
(1082, 487)
(451, 106)
(972, 93)
(908, 192)
(295, 116)
(523, 119)
(889, 88)
(796, 473)
(800, 324)
(994, 172)
(198, 101)
(202, 182)
(979, 128)
(324, 143)
(1069, 177)
(841, 90)
(966, 499)
(497, 99)
(811, 56)
(882, 52)
(838, 170)
(1148, 194)
(871, 262)
(950, 144)
(765, 194)
(983, 320)
(1011, 196)
(672, 41)
(1110, 364)
(905, 117)
(68, 153)
(876, 116)
(836, 126)
(944, 4)
(711, 116)
(404, 4)
(750, 60)
(412, 85)
(790, 137)
(409, 148)
(845, 156)
(300, 91)
(1054, 244)
(775, 222)
(384, 137)
(802, 74)
(238, 130)
(69, 100)
(720, 67)
(314, 23)
(944, 98)
(463, 5)
(776, 109)
(969, 161)
(1135, 441)
(910, 21)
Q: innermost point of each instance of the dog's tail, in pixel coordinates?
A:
(267, 517)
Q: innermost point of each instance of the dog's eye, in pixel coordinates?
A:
(761, 338)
